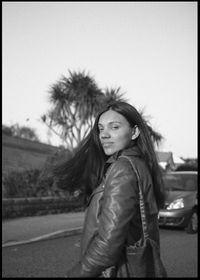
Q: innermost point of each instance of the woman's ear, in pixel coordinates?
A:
(135, 133)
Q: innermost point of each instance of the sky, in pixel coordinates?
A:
(148, 49)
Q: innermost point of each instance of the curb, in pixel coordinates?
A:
(48, 236)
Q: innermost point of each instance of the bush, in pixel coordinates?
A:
(31, 183)
(20, 207)
(35, 182)
(21, 184)
(187, 167)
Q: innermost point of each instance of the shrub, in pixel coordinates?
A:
(35, 182)
(20, 207)
(187, 167)
(31, 183)
(20, 184)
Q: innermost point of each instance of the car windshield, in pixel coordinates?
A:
(180, 182)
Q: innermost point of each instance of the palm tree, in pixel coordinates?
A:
(155, 136)
(112, 95)
(75, 101)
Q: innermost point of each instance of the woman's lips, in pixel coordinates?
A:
(106, 145)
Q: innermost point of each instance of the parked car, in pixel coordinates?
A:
(181, 202)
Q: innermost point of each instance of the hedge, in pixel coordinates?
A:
(20, 207)
(35, 182)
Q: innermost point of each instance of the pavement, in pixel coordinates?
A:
(32, 229)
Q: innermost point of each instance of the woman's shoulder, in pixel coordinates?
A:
(131, 163)
(122, 162)
(120, 165)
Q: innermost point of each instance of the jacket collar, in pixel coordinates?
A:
(132, 150)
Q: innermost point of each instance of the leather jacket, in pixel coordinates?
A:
(112, 218)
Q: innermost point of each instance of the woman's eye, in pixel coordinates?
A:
(115, 127)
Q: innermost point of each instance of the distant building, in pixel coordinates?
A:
(168, 161)
(165, 160)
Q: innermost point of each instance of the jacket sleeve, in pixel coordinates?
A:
(117, 209)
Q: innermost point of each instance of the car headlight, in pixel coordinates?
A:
(176, 204)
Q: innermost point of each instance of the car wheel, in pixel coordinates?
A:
(192, 226)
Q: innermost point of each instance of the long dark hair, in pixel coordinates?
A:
(86, 169)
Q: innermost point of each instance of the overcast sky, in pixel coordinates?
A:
(149, 49)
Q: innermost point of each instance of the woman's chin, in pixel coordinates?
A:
(109, 152)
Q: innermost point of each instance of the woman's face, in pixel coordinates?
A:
(114, 132)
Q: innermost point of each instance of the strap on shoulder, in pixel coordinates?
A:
(142, 205)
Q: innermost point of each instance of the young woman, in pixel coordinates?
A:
(101, 167)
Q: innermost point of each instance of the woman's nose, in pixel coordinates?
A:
(104, 134)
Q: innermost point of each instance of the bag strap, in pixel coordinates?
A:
(141, 200)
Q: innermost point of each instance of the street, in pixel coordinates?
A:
(52, 258)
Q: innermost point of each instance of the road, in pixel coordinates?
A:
(179, 252)
(25, 228)
(52, 258)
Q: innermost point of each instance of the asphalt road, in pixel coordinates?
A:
(26, 228)
(52, 258)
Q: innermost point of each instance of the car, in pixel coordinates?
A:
(181, 202)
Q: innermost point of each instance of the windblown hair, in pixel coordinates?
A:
(86, 169)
